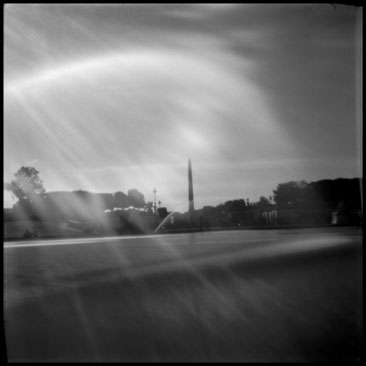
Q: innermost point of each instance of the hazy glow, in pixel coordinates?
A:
(194, 138)
(69, 108)
(102, 108)
(86, 69)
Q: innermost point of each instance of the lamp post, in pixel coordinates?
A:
(154, 191)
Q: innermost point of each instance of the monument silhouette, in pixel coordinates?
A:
(190, 194)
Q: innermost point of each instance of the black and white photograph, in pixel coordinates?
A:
(182, 182)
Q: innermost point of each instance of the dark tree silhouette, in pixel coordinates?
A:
(27, 183)
(162, 212)
(136, 198)
(234, 205)
(291, 194)
(332, 192)
(263, 202)
(120, 200)
(106, 201)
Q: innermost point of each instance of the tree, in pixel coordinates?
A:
(136, 198)
(106, 201)
(263, 202)
(291, 194)
(162, 212)
(27, 184)
(235, 205)
(120, 200)
(331, 192)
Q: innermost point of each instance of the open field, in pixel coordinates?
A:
(282, 295)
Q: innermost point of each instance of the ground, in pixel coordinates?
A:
(270, 296)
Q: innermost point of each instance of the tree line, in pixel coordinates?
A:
(35, 203)
(319, 197)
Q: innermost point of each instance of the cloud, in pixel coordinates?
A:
(98, 86)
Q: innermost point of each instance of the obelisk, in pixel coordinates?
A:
(190, 193)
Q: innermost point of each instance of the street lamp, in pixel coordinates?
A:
(154, 191)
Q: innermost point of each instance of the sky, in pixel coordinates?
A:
(106, 98)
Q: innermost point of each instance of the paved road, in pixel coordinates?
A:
(281, 295)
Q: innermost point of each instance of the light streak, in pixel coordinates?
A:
(77, 241)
